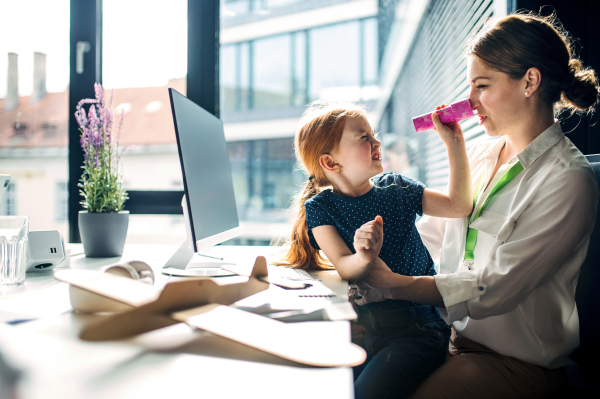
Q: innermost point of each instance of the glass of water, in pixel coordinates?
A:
(13, 249)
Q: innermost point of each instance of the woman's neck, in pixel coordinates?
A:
(525, 133)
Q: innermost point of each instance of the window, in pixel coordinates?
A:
(299, 69)
(272, 72)
(335, 62)
(145, 53)
(61, 202)
(229, 78)
(34, 80)
(268, 78)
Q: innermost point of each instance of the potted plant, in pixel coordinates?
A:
(103, 224)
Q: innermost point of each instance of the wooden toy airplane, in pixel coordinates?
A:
(200, 303)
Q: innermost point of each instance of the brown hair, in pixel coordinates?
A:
(517, 42)
(320, 132)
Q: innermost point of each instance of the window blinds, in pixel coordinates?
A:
(435, 73)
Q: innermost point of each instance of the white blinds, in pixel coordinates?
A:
(435, 73)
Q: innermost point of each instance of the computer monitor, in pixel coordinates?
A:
(209, 208)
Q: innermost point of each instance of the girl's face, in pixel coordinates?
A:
(359, 152)
(497, 99)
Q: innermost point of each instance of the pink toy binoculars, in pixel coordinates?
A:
(459, 111)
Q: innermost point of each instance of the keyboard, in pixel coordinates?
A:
(289, 273)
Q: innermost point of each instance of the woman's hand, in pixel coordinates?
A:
(449, 133)
(379, 276)
(367, 294)
(374, 286)
(368, 240)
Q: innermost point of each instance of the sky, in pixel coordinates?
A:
(144, 42)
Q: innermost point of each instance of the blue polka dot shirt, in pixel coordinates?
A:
(398, 200)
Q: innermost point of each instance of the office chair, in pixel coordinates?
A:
(587, 298)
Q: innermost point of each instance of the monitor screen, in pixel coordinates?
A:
(206, 171)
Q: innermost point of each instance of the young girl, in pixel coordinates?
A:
(338, 148)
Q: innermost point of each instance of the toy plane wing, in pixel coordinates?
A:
(201, 303)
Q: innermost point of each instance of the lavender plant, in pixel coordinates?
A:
(101, 183)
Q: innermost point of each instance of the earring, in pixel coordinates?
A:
(340, 170)
(526, 93)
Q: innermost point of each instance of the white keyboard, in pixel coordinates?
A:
(289, 273)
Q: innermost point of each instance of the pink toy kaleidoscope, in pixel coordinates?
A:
(459, 111)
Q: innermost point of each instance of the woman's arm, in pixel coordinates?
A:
(458, 202)
(367, 245)
(536, 250)
(381, 284)
(553, 228)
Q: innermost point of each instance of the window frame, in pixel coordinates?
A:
(202, 88)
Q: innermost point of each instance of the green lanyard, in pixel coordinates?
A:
(472, 233)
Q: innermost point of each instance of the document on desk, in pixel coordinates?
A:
(315, 303)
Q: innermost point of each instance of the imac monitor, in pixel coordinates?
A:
(209, 207)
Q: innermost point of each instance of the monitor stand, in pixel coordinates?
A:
(186, 263)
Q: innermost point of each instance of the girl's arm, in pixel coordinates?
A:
(367, 244)
(458, 202)
(381, 283)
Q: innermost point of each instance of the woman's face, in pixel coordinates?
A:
(498, 100)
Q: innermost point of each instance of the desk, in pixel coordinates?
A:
(172, 362)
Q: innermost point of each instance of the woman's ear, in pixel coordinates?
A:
(533, 79)
(328, 163)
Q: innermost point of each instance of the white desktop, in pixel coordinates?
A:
(175, 361)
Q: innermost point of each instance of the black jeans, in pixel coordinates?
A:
(403, 348)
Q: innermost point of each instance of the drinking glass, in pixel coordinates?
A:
(13, 249)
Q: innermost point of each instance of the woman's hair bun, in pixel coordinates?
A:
(580, 87)
(518, 42)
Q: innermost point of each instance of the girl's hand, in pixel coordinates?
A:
(450, 133)
(368, 240)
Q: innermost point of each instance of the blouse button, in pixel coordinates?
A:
(480, 288)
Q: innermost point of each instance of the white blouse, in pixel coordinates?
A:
(518, 296)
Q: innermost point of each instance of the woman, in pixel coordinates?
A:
(508, 275)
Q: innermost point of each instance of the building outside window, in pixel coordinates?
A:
(34, 79)
(268, 78)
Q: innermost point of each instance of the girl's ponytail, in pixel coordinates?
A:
(301, 254)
